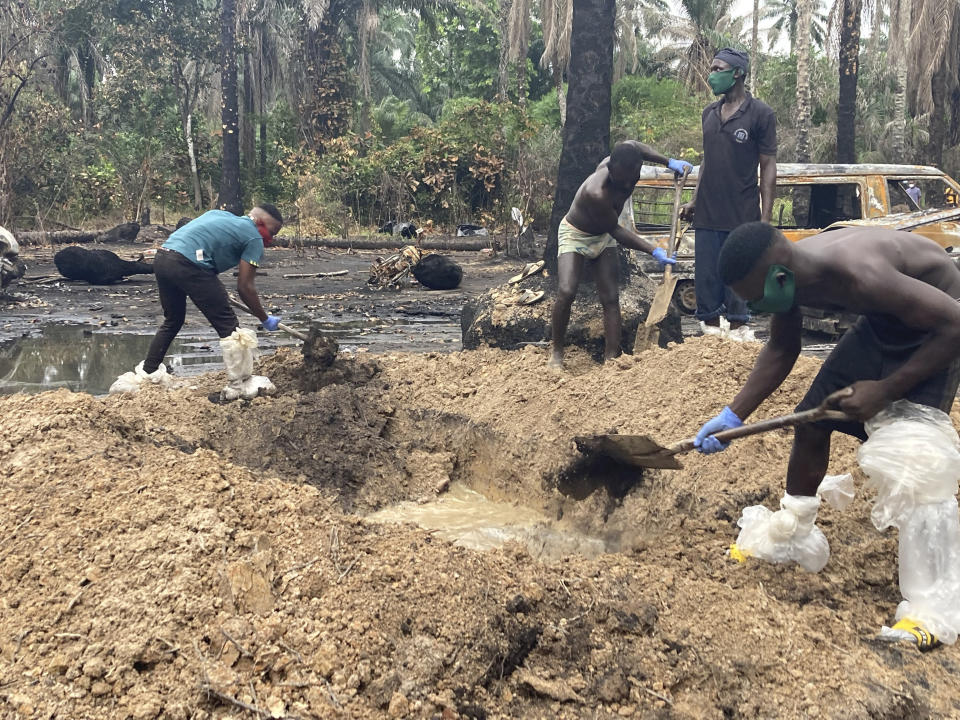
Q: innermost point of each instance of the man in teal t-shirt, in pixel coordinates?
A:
(187, 266)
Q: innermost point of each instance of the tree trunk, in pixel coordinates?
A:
(938, 118)
(755, 46)
(191, 153)
(503, 63)
(898, 141)
(325, 96)
(849, 64)
(898, 136)
(955, 117)
(230, 198)
(248, 145)
(262, 166)
(586, 132)
(261, 109)
(804, 17)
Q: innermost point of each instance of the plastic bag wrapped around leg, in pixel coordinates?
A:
(787, 535)
(912, 456)
(134, 380)
(930, 568)
(238, 350)
(912, 459)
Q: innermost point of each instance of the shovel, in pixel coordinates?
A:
(647, 333)
(644, 451)
(286, 328)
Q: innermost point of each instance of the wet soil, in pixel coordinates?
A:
(410, 318)
(164, 557)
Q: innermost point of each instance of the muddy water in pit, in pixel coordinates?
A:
(467, 518)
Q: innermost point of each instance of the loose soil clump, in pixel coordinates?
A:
(164, 557)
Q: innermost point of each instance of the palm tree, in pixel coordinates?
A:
(804, 14)
(900, 25)
(230, 165)
(700, 29)
(586, 134)
(557, 18)
(785, 14)
(849, 64)
(635, 19)
(933, 75)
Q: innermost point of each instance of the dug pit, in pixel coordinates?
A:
(166, 557)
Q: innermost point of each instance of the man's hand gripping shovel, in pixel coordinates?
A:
(648, 334)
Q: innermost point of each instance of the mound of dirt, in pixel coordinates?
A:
(164, 557)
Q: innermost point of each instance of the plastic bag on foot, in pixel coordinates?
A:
(134, 380)
(787, 535)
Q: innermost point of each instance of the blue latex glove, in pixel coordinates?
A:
(705, 442)
(271, 322)
(660, 255)
(678, 166)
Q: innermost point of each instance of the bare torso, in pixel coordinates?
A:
(596, 207)
(864, 262)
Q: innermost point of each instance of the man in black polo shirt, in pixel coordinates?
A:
(739, 133)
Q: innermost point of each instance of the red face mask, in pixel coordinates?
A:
(264, 233)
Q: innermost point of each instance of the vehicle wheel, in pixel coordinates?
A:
(685, 297)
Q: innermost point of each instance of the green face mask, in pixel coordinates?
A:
(778, 291)
(721, 80)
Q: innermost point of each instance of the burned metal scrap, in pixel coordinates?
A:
(388, 272)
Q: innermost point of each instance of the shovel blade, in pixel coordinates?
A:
(634, 450)
(661, 301)
(648, 333)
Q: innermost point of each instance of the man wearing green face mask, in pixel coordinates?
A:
(905, 345)
(739, 134)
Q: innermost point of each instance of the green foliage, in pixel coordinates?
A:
(659, 112)
(545, 112)
(395, 118)
(458, 51)
(455, 170)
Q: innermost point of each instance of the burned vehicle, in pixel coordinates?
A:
(11, 267)
(811, 198)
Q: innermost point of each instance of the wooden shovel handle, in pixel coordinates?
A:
(679, 184)
(280, 326)
(823, 412)
(673, 241)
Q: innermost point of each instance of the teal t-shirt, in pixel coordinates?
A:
(218, 240)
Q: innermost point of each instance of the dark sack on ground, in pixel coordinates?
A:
(97, 267)
(438, 272)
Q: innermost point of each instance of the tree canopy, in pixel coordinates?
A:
(352, 112)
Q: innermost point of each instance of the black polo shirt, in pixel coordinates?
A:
(729, 194)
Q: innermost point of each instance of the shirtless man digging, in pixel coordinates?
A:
(906, 343)
(591, 231)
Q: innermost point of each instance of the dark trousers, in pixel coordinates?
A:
(873, 349)
(713, 297)
(178, 279)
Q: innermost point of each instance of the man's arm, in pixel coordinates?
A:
(248, 291)
(649, 154)
(773, 364)
(768, 185)
(631, 240)
(918, 305)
